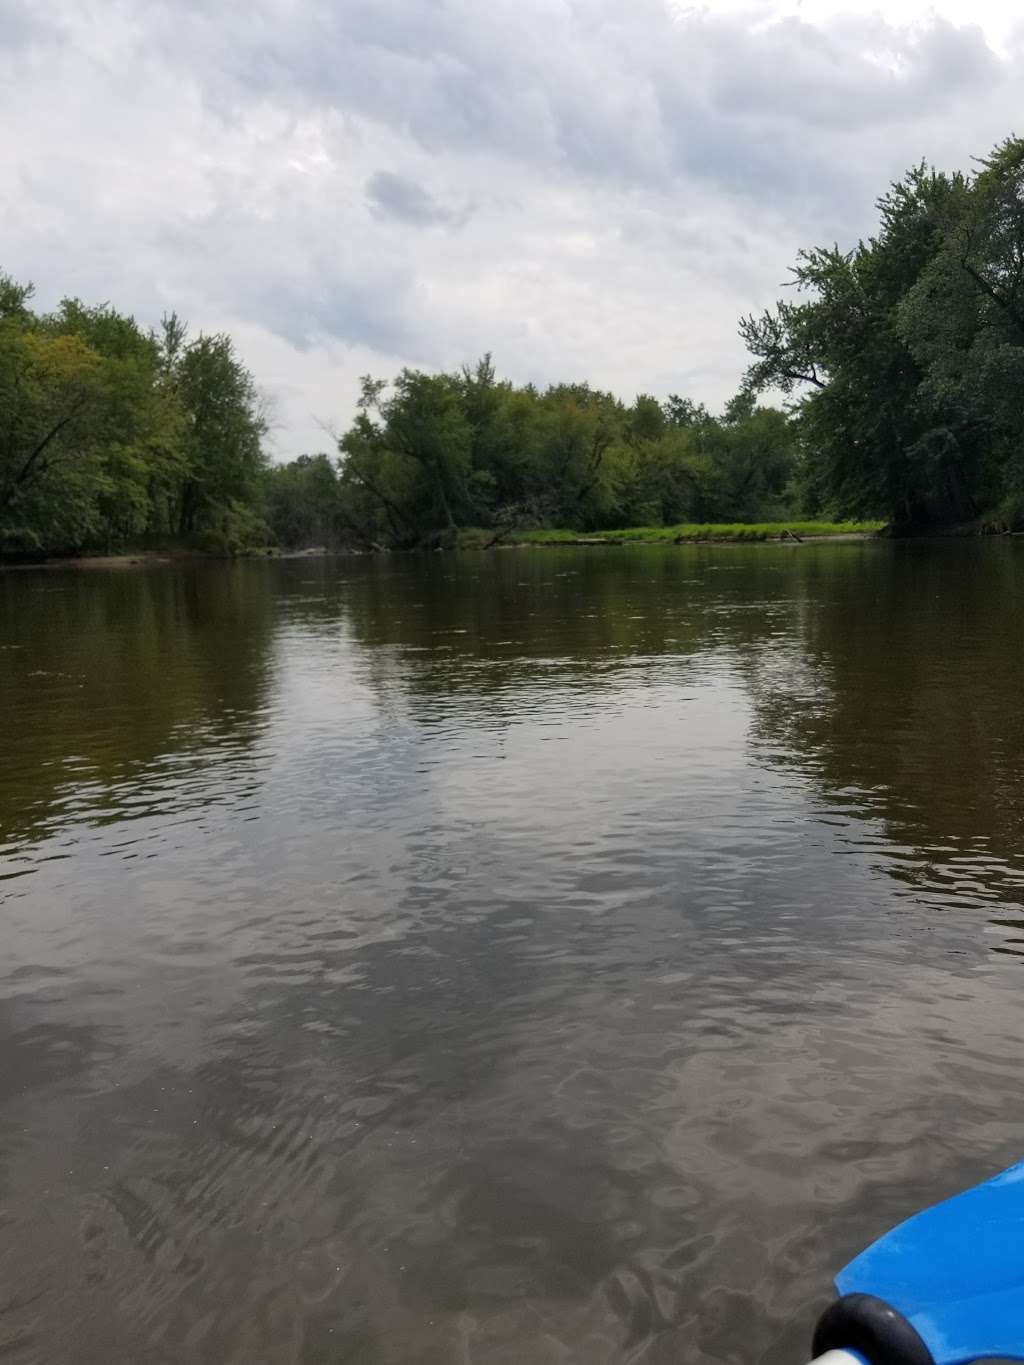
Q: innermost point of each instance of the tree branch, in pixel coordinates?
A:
(1010, 309)
(9, 494)
(811, 378)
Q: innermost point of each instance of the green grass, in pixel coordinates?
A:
(690, 531)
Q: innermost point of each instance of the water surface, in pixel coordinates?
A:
(556, 956)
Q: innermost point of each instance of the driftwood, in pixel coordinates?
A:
(585, 540)
(498, 537)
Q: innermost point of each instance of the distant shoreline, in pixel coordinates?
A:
(151, 559)
(475, 540)
(692, 533)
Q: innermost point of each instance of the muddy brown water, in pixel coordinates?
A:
(561, 956)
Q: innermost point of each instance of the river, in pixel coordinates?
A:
(565, 956)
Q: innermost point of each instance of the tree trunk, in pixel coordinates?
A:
(189, 507)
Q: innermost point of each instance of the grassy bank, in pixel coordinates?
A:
(688, 533)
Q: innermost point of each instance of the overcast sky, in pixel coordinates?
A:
(588, 188)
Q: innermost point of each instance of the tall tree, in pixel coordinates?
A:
(58, 400)
(906, 354)
(110, 434)
(224, 429)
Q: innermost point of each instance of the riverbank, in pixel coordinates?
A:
(128, 560)
(692, 533)
(482, 538)
(148, 559)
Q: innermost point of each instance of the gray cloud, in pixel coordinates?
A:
(396, 196)
(585, 187)
(852, 76)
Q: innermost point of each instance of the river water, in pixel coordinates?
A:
(553, 957)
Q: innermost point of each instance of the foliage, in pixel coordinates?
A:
(907, 354)
(433, 454)
(222, 435)
(110, 434)
(302, 502)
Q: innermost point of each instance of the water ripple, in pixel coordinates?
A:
(569, 957)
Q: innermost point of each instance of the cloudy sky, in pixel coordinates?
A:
(588, 188)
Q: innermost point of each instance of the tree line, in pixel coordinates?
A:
(905, 356)
(901, 363)
(111, 435)
(434, 453)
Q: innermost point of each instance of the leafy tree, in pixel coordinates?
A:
(906, 354)
(434, 452)
(113, 435)
(224, 428)
(963, 320)
(53, 397)
(110, 435)
(303, 502)
(406, 470)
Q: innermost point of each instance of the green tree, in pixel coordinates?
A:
(963, 321)
(139, 435)
(303, 503)
(436, 452)
(407, 460)
(54, 398)
(110, 434)
(906, 354)
(224, 428)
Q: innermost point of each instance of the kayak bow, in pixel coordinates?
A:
(944, 1288)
